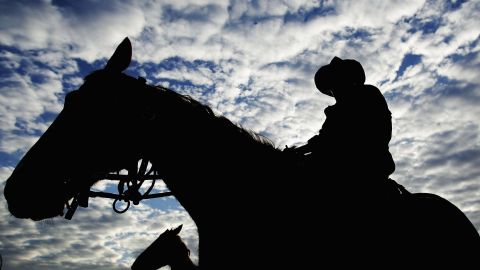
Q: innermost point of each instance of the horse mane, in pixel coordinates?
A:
(205, 112)
(197, 109)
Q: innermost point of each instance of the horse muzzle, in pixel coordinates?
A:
(32, 200)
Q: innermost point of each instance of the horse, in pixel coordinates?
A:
(168, 249)
(271, 212)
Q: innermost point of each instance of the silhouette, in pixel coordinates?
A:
(353, 141)
(168, 249)
(350, 153)
(223, 174)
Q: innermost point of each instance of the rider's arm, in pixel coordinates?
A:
(309, 147)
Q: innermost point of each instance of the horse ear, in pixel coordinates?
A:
(178, 229)
(121, 58)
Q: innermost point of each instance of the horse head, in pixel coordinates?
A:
(98, 131)
(167, 249)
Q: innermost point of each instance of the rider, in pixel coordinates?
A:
(353, 141)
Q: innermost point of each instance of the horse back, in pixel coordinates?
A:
(434, 228)
(441, 216)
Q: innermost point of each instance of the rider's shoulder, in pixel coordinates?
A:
(373, 95)
(368, 89)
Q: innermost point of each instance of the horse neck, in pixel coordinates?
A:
(183, 264)
(212, 151)
(201, 155)
(189, 133)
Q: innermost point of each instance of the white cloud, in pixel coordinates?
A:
(26, 95)
(96, 237)
(263, 66)
(85, 30)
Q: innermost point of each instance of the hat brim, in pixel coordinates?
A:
(323, 79)
(327, 92)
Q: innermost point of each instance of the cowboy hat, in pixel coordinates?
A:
(339, 72)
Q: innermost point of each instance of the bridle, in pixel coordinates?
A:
(128, 189)
(128, 186)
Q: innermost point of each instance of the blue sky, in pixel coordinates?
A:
(252, 61)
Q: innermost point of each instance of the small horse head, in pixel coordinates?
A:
(98, 131)
(168, 249)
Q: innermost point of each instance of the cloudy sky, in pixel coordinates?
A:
(252, 61)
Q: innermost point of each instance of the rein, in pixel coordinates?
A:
(128, 189)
